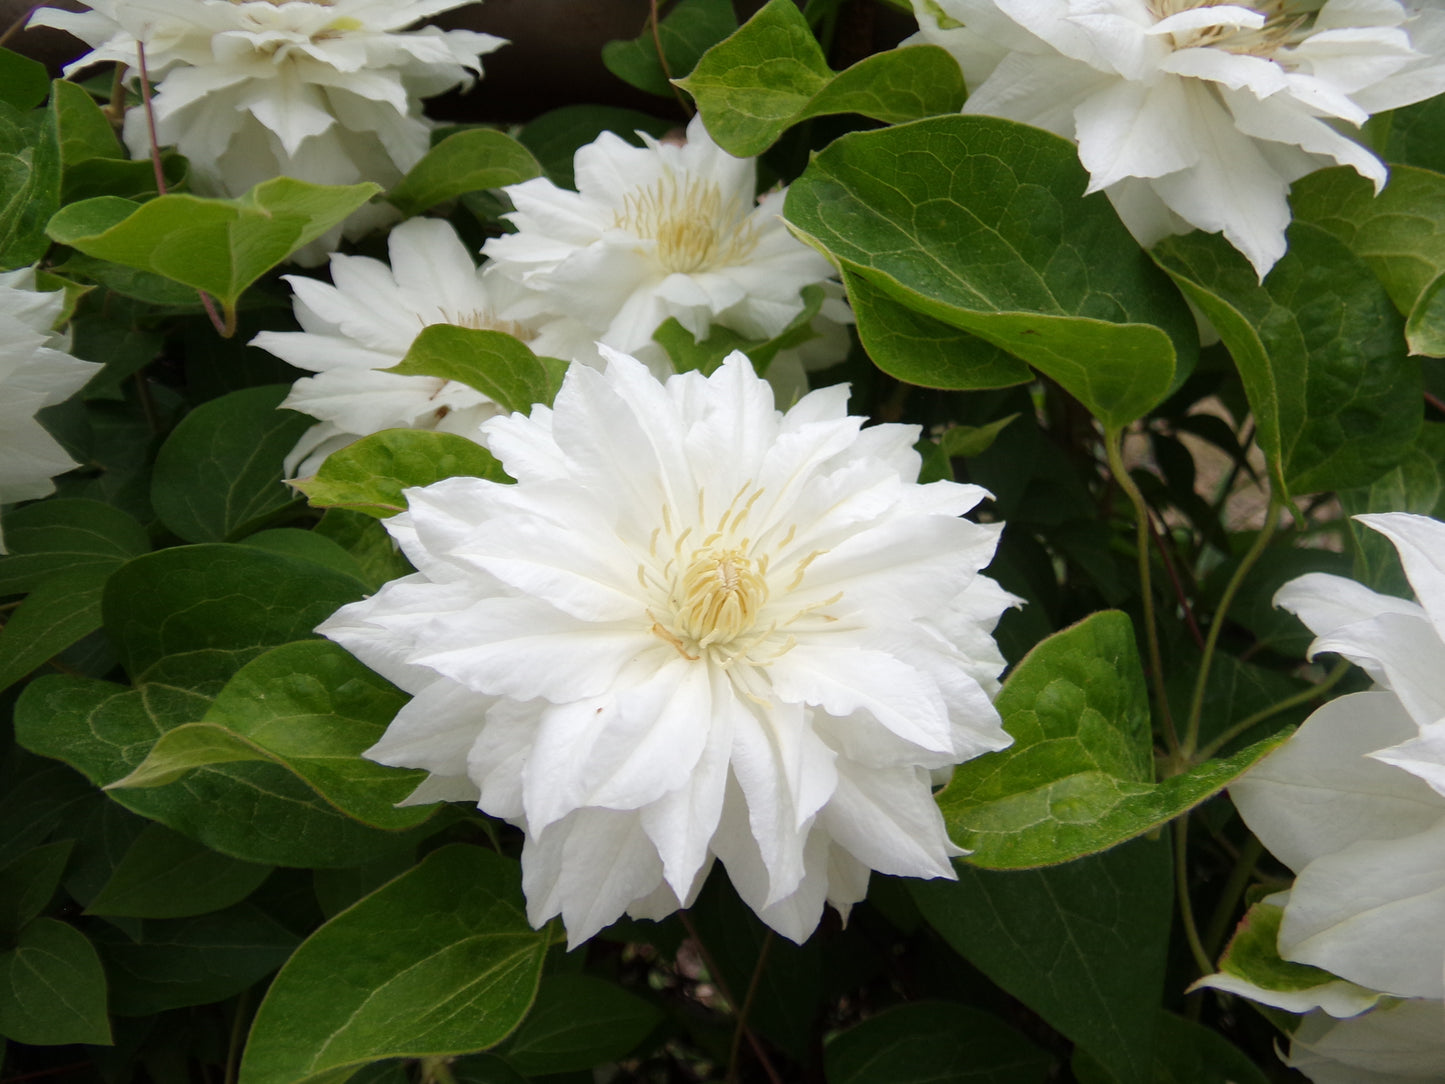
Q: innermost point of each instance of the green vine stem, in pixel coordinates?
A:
(1229, 896)
(1113, 448)
(1304, 696)
(1186, 906)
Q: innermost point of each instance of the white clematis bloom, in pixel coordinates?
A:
(666, 231)
(1354, 803)
(695, 628)
(36, 371)
(364, 323)
(327, 91)
(1197, 113)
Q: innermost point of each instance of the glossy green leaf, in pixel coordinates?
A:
(1417, 135)
(982, 224)
(365, 540)
(219, 474)
(310, 708)
(172, 963)
(1400, 234)
(468, 161)
(24, 83)
(1321, 352)
(1184, 1053)
(255, 812)
(60, 611)
(1416, 485)
(578, 1022)
(167, 875)
(498, 365)
(29, 184)
(688, 30)
(369, 475)
(83, 128)
(772, 74)
(441, 961)
(220, 246)
(1083, 945)
(930, 1042)
(1079, 777)
(52, 988)
(193, 615)
(308, 546)
(28, 883)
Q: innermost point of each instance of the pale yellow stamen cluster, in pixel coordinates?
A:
(711, 595)
(694, 226)
(1286, 24)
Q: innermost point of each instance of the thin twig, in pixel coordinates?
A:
(54, 1070)
(13, 29)
(1186, 906)
(1435, 401)
(747, 1006)
(1249, 722)
(1175, 583)
(662, 60)
(721, 983)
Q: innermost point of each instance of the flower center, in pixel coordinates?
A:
(1286, 23)
(718, 596)
(694, 226)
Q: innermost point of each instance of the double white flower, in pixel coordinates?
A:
(35, 372)
(666, 231)
(1195, 113)
(695, 628)
(1354, 803)
(327, 91)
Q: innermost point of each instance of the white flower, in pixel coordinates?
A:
(1195, 113)
(1354, 803)
(326, 91)
(695, 628)
(663, 231)
(35, 372)
(367, 320)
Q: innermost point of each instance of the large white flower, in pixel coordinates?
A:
(1196, 113)
(327, 91)
(1354, 803)
(35, 371)
(695, 628)
(665, 231)
(366, 320)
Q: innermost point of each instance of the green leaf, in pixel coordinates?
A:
(60, 611)
(555, 136)
(498, 365)
(1320, 350)
(194, 615)
(220, 246)
(1416, 485)
(690, 28)
(369, 475)
(1184, 1053)
(129, 282)
(439, 962)
(1400, 234)
(83, 128)
(41, 797)
(1083, 945)
(1079, 777)
(28, 883)
(365, 540)
(772, 74)
(308, 546)
(468, 161)
(311, 708)
(1417, 135)
(52, 988)
(24, 83)
(578, 1022)
(219, 474)
(172, 963)
(166, 875)
(688, 353)
(930, 1042)
(982, 224)
(29, 184)
(967, 441)
(1252, 967)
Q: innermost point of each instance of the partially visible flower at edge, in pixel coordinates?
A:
(36, 371)
(367, 319)
(662, 231)
(695, 628)
(1354, 803)
(248, 90)
(1192, 113)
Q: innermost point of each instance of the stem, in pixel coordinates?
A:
(1434, 401)
(747, 1006)
(1186, 906)
(1113, 445)
(1216, 626)
(662, 60)
(721, 984)
(1304, 696)
(115, 109)
(437, 1070)
(19, 24)
(233, 1051)
(1229, 898)
(1179, 596)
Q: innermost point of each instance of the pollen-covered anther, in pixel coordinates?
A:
(718, 596)
(694, 226)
